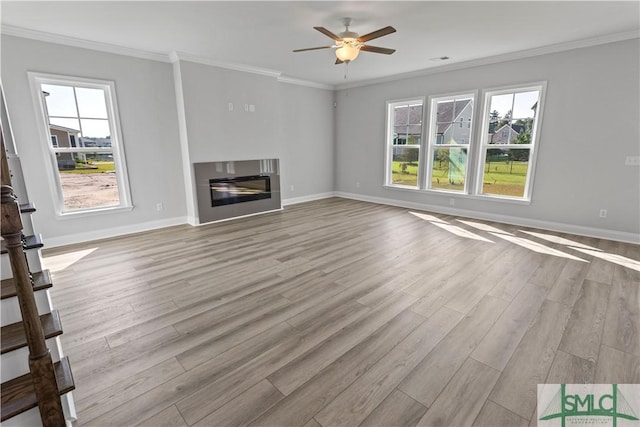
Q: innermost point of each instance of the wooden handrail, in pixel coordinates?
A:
(40, 362)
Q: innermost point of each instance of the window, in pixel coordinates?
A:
(79, 118)
(449, 144)
(505, 166)
(404, 136)
(493, 158)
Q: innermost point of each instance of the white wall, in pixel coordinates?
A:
(292, 123)
(308, 134)
(590, 125)
(146, 101)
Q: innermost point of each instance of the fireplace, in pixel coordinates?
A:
(231, 189)
(228, 191)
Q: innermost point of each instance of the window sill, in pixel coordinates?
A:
(460, 195)
(93, 212)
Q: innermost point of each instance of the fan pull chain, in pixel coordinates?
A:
(346, 74)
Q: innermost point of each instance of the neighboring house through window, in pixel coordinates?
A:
(79, 117)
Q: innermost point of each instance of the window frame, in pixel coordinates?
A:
(49, 152)
(431, 143)
(482, 144)
(388, 147)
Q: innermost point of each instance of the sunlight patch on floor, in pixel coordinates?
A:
(484, 227)
(461, 232)
(55, 263)
(615, 258)
(428, 217)
(557, 239)
(536, 247)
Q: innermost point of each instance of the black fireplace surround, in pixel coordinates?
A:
(228, 191)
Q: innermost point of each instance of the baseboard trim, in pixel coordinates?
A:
(601, 233)
(54, 242)
(309, 198)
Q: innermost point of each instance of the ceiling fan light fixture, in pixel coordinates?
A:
(348, 51)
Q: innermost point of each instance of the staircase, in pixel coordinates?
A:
(36, 377)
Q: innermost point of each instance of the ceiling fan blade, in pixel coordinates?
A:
(313, 48)
(338, 61)
(328, 33)
(376, 49)
(378, 33)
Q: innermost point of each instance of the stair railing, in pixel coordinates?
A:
(40, 362)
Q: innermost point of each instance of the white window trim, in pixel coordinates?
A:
(35, 81)
(426, 182)
(388, 147)
(56, 144)
(541, 86)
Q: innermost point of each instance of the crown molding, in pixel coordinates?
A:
(512, 56)
(26, 33)
(182, 56)
(299, 82)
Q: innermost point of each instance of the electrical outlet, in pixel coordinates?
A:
(358, 184)
(292, 188)
(452, 202)
(159, 207)
(632, 161)
(603, 213)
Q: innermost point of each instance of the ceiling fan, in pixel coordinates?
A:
(349, 44)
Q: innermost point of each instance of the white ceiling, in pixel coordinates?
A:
(262, 34)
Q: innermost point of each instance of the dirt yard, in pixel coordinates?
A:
(82, 191)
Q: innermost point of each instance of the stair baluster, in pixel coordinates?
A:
(40, 362)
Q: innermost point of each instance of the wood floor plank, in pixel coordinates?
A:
(494, 415)
(498, 345)
(617, 367)
(296, 373)
(94, 405)
(622, 324)
(244, 408)
(397, 410)
(322, 300)
(516, 389)
(566, 289)
(462, 400)
(583, 335)
(169, 417)
(368, 391)
(570, 369)
(431, 376)
(307, 400)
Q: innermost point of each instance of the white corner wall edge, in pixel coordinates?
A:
(54, 242)
(523, 222)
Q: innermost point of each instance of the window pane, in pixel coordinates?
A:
(503, 104)
(71, 124)
(525, 104)
(60, 100)
(444, 112)
(404, 166)
(95, 128)
(505, 172)
(415, 115)
(88, 180)
(449, 168)
(91, 103)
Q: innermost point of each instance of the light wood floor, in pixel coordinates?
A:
(339, 312)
